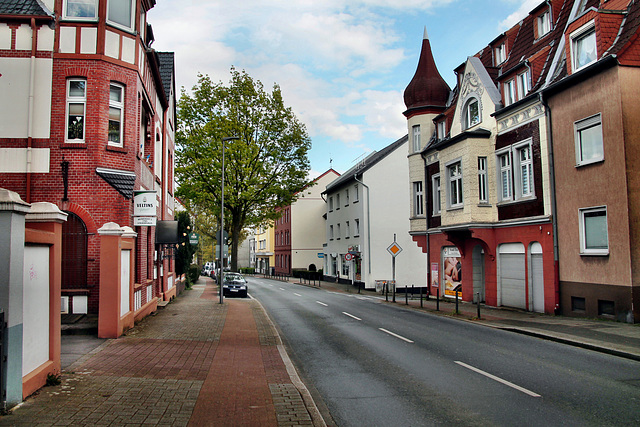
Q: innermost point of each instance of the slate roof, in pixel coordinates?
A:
(366, 164)
(23, 7)
(166, 65)
(123, 181)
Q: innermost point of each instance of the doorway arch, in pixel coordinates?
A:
(74, 253)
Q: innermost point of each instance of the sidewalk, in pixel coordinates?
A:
(620, 339)
(195, 362)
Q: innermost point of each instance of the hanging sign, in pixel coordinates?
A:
(144, 203)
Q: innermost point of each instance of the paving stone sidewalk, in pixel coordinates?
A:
(189, 364)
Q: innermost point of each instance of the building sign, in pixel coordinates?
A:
(452, 270)
(144, 203)
(193, 238)
(142, 221)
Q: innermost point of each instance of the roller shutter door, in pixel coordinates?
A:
(512, 276)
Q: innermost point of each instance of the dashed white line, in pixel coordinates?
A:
(321, 303)
(282, 289)
(396, 335)
(351, 315)
(298, 295)
(500, 380)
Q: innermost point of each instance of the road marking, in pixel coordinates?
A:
(500, 380)
(282, 289)
(298, 295)
(321, 303)
(351, 315)
(396, 335)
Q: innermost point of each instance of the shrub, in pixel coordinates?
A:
(194, 274)
(247, 270)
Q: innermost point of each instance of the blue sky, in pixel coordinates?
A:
(342, 65)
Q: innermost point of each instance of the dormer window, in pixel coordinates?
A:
(80, 9)
(471, 113)
(500, 54)
(509, 92)
(524, 84)
(441, 130)
(544, 24)
(583, 47)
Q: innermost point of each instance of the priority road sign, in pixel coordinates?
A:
(394, 249)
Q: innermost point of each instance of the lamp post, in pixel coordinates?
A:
(221, 239)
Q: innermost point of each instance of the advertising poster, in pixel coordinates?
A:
(435, 283)
(452, 269)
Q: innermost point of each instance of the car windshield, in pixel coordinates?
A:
(233, 277)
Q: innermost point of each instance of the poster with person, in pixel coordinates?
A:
(452, 270)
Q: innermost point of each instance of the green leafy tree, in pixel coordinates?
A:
(264, 168)
(185, 251)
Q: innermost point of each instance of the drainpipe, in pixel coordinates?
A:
(554, 209)
(430, 193)
(368, 223)
(32, 80)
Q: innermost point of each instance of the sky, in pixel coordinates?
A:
(342, 65)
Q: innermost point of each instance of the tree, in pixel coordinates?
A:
(185, 251)
(264, 168)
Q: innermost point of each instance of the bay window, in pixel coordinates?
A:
(80, 10)
(121, 13)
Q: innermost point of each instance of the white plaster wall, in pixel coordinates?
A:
(45, 38)
(112, 44)
(390, 196)
(14, 160)
(5, 36)
(23, 37)
(128, 50)
(88, 40)
(67, 43)
(35, 343)
(14, 85)
(125, 268)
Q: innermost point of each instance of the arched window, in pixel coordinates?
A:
(471, 113)
(74, 253)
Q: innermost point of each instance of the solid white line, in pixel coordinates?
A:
(298, 295)
(500, 380)
(396, 335)
(282, 289)
(321, 303)
(351, 315)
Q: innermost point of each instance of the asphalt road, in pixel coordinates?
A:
(370, 363)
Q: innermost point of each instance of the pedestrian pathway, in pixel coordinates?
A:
(196, 362)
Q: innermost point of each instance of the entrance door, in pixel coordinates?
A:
(74, 253)
(478, 273)
(512, 280)
(537, 278)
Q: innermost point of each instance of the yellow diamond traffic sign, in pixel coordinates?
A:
(394, 249)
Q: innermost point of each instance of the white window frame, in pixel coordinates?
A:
(67, 17)
(504, 171)
(524, 84)
(131, 26)
(578, 35)
(544, 24)
(418, 199)
(356, 231)
(455, 181)
(468, 123)
(76, 100)
(581, 126)
(346, 196)
(337, 201)
(345, 266)
(513, 171)
(338, 231)
(119, 106)
(331, 232)
(356, 193)
(415, 135)
(584, 250)
(441, 129)
(500, 54)
(522, 192)
(509, 92)
(437, 194)
(483, 188)
(346, 230)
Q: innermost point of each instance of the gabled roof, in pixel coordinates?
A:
(23, 8)
(366, 164)
(166, 66)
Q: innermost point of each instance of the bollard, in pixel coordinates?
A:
(406, 295)
(437, 299)
(394, 292)
(386, 292)
(421, 302)
(478, 294)
(457, 312)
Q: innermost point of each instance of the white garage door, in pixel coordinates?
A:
(512, 276)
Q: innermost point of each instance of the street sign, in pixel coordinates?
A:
(193, 238)
(394, 249)
(348, 257)
(225, 236)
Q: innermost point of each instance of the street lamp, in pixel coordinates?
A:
(221, 239)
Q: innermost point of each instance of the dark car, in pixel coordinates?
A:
(234, 284)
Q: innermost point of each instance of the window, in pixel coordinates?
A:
(504, 162)
(121, 13)
(345, 266)
(356, 193)
(500, 54)
(525, 175)
(416, 139)
(583, 47)
(509, 92)
(418, 199)
(589, 143)
(331, 232)
(524, 84)
(330, 204)
(437, 201)
(338, 233)
(441, 130)
(346, 196)
(471, 113)
(76, 103)
(80, 9)
(594, 237)
(544, 24)
(116, 108)
(334, 266)
(454, 173)
(337, 201)
(346, 230)
(356, 229)
(482, 180)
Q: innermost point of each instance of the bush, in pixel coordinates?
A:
(194, 273)
(247, 270)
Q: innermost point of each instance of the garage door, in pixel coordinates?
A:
(512, 275)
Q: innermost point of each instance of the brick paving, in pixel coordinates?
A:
(195, 362)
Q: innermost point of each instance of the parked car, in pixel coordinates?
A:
(234, 284)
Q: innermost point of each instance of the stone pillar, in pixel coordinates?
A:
(12, 234)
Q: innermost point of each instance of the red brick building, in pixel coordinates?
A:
(92, 120)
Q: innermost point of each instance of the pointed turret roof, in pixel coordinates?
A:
(427, 90)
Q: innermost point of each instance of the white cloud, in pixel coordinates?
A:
(526, 7)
